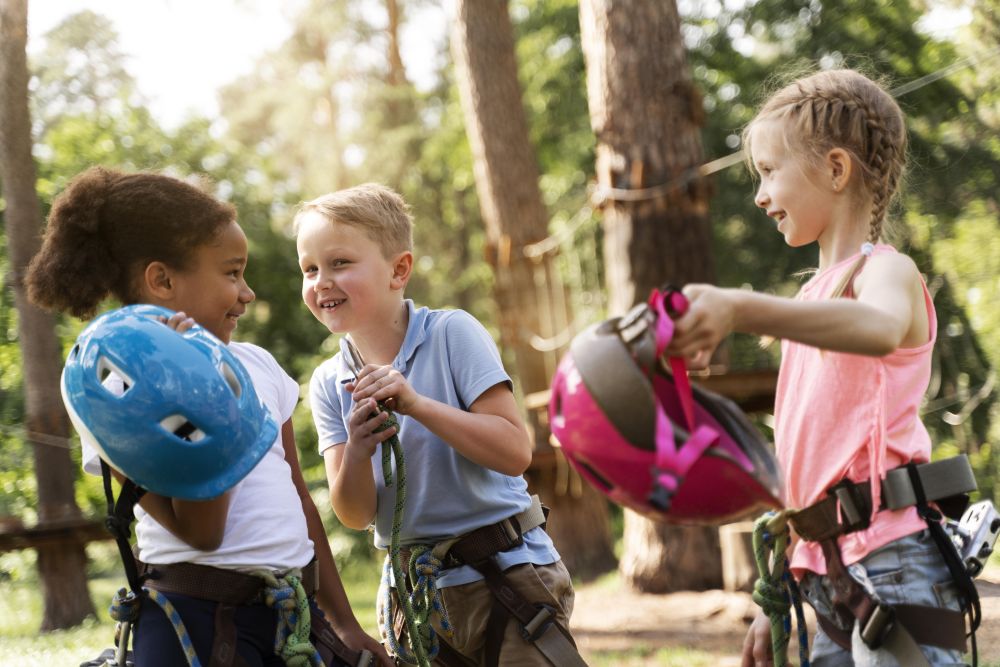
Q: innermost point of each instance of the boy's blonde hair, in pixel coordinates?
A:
(379, 211)
(844, 109)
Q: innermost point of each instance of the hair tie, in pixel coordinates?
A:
(867, 249)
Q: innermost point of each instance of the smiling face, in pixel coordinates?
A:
(347, 282)
(789, 192)
(214, 291)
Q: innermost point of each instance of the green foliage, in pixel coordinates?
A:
(322, 112)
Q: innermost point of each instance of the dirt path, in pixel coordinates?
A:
(610, 618)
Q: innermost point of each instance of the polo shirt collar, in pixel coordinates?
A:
(416, 331)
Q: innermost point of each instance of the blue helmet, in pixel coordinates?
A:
(188, 423)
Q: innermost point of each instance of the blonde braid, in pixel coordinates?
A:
(845, 109)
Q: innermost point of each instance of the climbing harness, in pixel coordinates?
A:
(634, 427)
(424, 563)
(847, 508)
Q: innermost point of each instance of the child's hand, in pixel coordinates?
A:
(757, 645)
(179, 322)
(387, 386)
(708, 320)
(362, 425)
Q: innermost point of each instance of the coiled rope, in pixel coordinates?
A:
(286, 596)
(775, 591)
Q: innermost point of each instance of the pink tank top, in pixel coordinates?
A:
(843, 415)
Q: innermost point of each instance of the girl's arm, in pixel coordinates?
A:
(887, 313)
(490, 433)
(199, 523)
(331, 596)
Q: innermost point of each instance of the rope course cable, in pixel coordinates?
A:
(601, 194)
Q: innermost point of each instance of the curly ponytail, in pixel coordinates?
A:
(107, 226)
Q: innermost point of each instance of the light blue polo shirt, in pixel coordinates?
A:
(449, 356)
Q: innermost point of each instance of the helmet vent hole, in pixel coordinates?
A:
(107, 370)
(557, 404)
(230, 376)
(182, 428)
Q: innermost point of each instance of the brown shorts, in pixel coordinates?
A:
(469, 608)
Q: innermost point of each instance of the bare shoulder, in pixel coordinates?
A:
(889, 269)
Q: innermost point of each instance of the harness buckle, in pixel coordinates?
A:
(878, 626)
(855, 511)
(661, 497)
(512, 531)
(537, 626)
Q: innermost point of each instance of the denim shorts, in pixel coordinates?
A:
(909, 570)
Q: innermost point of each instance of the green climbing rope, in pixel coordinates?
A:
(424, 564)
(775, 591)
(423, 567)
(288, 598)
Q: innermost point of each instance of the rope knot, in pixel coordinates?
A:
(287, 597)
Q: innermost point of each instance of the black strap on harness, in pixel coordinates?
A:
(539, 625)
(966, 587)
(127, 604)
(119, 522)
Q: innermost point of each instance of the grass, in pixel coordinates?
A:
(21, 645)
(21, 611)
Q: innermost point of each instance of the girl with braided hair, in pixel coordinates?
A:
(829, 150)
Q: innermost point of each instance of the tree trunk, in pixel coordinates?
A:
(646, 115)
(506, 175)
(61, 568)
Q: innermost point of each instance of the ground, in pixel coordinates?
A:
(609, 619)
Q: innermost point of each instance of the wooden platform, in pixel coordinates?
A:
(14, 536)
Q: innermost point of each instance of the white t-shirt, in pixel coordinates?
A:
(266, 527)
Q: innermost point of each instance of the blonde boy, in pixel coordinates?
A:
(465, 443)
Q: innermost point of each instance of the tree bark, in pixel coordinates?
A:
(646, 114)
(506, 173)
(61, 568)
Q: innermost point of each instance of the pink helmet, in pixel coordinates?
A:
(640, 433)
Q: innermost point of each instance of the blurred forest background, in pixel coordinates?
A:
(334, 106)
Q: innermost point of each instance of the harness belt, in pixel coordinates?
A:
(538, 621)
(214, 583)
(231, 589)
(893, 627)
(944, 482)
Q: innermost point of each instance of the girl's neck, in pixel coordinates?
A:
(841, 239)
(381, 344)
(848, 227)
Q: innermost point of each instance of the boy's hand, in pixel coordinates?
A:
(708, 320)
(757, 645)
(387, 386)
(362, 425)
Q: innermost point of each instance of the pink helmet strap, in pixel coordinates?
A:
(664, 332)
